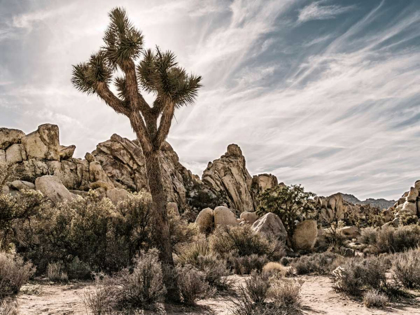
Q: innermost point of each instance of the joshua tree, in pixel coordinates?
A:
(150, 71)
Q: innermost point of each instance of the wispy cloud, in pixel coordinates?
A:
(333, 107)
(318, 11)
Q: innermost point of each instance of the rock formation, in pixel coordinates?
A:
(305, 235)
(270, 225)
(229, 175)
(115, 164)
(408, 206)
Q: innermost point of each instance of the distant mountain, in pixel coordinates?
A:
(380, 203)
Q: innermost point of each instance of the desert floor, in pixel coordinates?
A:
(317, 294)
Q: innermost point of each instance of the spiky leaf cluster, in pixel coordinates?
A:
(159, 74)
(87, 75)
(122, 40)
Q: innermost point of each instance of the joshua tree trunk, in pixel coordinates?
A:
(161, 226)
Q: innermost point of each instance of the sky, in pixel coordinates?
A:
(319, 93)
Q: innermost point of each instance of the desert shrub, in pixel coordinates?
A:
(55, 272)
(356, 275)
(406, 269)
(181, 232)
(245, 264)
(275, 268)
(374, 298)
(319, 263)
(102, 237)
(262, 295)
(215, 271)
(290, 203)
(392, 240)
(14, 273)
(245, 242)
(9, 307)
(138, 288)
(191, 283)
(257, 287)
(16, 209)
(79, 270)
(285, 294)
(368, 236)
(189, 253)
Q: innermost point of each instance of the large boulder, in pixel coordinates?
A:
(22, 185)
(224, 217)
(53, 188)
(248, 217)
(15, 154)
(270, 225)
(230, 176)
(305, 235)
(205, 220)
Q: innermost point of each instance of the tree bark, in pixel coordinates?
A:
(161, 226)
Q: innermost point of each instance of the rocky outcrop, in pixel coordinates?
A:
(270, 225)
(408, 206)
(116, 165)
(229, 175)
(330, 208)
(349, 231)
(305, 235)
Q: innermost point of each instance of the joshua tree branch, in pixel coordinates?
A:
(110, 99)
(165, 124)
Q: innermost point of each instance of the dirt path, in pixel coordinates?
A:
(318, 297)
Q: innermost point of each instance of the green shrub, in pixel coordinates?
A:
(14, 273)
(215, 271)
(406, 269)
(101, 236)
(356, 275)
(376, 299)
(191, 283)
(16, 209)
(319, 263)
(290, 203)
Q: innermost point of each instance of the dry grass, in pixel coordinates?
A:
(14, 273)
(375, 299)
(406, 269)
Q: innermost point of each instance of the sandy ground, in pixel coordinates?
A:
(318, 297)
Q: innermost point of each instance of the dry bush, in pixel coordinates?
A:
(246, 264)
(285, 294)
(406, 269)
(257, 287)
(138, 288)
(374, 298)
(356, 275)
(368, 236)
(55, 273)
(274, 268)
(266, 296)
(14, 273)
(9, 307)
(393, 240)
(245, 242)
(215, 271)
(319, 263)
(191, 283)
